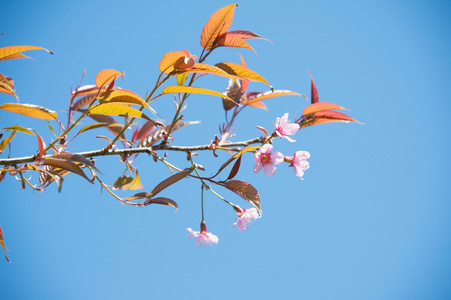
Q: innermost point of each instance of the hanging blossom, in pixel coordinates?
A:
(245, 217)
(203, 237)
(264, 158)
(284, 128)
(299, 162)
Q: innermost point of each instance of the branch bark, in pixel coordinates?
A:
(122, 152)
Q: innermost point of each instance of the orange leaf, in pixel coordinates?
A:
(241, 72)
(11, 50)
(14, 56)
(41, 145)
(6, 141)
(244, 34)
(258, 104)
(106, 76)
(168, 60)
(218, 24)
(2, 243)
(6, 85)
(123, 96)
(30, 110)
(231, 40)
(320, 106)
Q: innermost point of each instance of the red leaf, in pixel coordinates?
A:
(235, 168)
(314, 92)
(327, 117)
(163, 201)
(246, 191)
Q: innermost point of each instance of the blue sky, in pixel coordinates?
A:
(370, 220)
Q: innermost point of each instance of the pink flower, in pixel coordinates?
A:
(283, 127)
(203, 237)
(245, 217)
(264, 158)
(300, 163)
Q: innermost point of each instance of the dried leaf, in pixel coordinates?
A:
(158, 134)
(11, 50)
(74, 158)
(241, 72)
(246, 191)
(320, 106)
(30, 110)
(65, 165)
(2, 243)
(105, 77)
(218, 24)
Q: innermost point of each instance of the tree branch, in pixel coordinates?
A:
(105, 152)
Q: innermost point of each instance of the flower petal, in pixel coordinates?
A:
(269, 169)
(277, 158)
(258, 166)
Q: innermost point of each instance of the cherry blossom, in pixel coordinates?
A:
(245, 217)
(264, 158)
(203, 237)
(284, 128)
(300, 163)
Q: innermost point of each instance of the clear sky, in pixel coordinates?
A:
(370, 220)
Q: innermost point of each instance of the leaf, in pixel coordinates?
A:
(123, 96)
(87, 90)
(74, 158)
(207, 69)
(6, 86)
(181, 78)
(235, 168)
(41, 145)
(6, 141)
(314, 91)
(14, 56)
(170, 181)
(246, 149)
(113, 109)
(18, 129)
(241, 72)
(258, 104)
(326, 117)
(2, 243)
(144, 130)
(230, 40)
(158, 134)
(100, 125)
(169, 59)
(105, 77)
(30, 110)
(162, 201)
(193, 90)
(218, 24)
(11, 50)
(320, 106)
(250, 98)
(246, 191)
(244, 34)
(84, 101)
(244, 83)
(128, 183)
(66, 165)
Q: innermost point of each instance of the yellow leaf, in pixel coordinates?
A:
(193, 90)
(241, 72)
(254, 97)
(128, 183)
(105, 77)
(123, 96)
(30, 110)
(6, 85)
(6, 141)
(114, 109)
(218, 24)
(9, 51)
